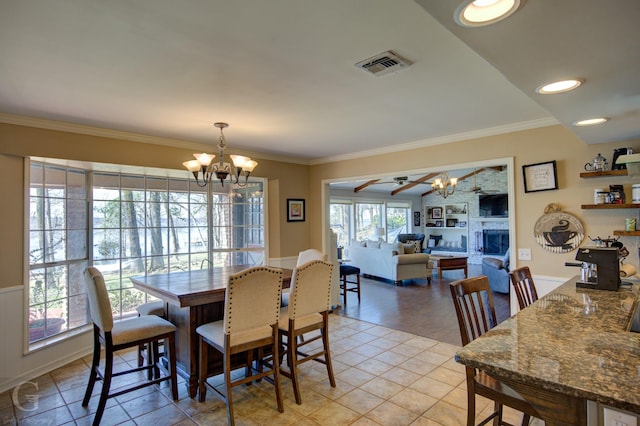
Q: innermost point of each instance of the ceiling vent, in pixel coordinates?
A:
(383, 63)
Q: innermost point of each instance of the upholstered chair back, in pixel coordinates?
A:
(310, 289)
(252, 300)
(307, 256)
(99, 304)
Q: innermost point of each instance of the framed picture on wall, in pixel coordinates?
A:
(436, 213)
(416, 218)
(540, 176)
(295, 210)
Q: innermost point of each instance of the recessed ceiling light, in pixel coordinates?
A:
(559, 86)
(591, 122)
(476, 13)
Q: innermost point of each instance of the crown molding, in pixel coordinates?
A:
(458, 137)
(62, 126)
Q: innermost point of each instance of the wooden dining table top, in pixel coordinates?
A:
(196, 287)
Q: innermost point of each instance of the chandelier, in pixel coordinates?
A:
(444, 185)
(204, 168)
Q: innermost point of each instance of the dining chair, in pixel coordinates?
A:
(147, 352)
(115, 336)
(304, 256)
(308, 311)
(250, 322)
(476, 314)
(524, 286)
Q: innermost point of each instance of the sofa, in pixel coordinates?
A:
(497, 271)
(409, 238)
(395, 262)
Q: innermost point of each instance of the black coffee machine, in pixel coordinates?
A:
(604, 267)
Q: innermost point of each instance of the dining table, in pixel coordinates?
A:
(570, 354)
(193, 298)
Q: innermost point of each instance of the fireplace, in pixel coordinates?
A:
(495, 241)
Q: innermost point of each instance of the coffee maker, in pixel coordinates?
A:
(602, 266)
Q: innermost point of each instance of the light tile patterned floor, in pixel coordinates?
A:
(384, 377)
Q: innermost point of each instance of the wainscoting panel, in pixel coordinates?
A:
(16, 366)
(544, 284)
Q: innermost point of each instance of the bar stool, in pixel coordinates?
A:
(151, 308)
(345, 287)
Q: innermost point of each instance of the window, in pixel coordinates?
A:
(393, 216)
(58, 216)
(398, 219)
(129, 225)
(341, 220)
(368, 217)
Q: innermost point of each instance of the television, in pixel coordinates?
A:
(494, 205)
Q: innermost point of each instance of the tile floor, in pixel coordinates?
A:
(384, 377)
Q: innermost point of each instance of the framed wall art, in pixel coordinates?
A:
(416, 218)
(295, 210)
(540, 176)
(436, 213)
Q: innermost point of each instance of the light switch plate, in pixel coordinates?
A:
(618, 418)
(524, 254)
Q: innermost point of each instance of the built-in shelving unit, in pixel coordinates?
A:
(450, 222)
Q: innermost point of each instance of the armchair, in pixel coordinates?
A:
(497, 270)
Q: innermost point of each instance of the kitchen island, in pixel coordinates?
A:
(571, 346)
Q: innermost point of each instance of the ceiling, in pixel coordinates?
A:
(282, 72)
(419, 184)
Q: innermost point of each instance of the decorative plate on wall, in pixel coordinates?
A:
(558, 231)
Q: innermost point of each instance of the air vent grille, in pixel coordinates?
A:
(384, 63)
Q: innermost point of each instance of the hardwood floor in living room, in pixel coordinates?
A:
(416, 307)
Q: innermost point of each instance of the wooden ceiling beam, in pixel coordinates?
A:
(366, 184)
(414, 183)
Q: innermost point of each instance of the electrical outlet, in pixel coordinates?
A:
(618, 418)
(524, 254)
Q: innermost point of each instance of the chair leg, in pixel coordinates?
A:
(95, 363)
(204, 355)
(171, 341)
(276, 369)
(227, 382)
(344, 289)
(292, 360)
(106, 384)
(471, 406)
(140, 355)
(358, 291)
(327, 353)
(155, 361)
(497, 421)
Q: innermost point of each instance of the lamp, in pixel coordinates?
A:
(204, 164)
(379, 232)
(444, 185)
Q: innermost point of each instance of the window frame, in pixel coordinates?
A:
(253, 226)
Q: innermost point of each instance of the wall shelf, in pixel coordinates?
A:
(627, 233)
(609, 206)
(622, 172)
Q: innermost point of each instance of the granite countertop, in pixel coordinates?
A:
(573, 341)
